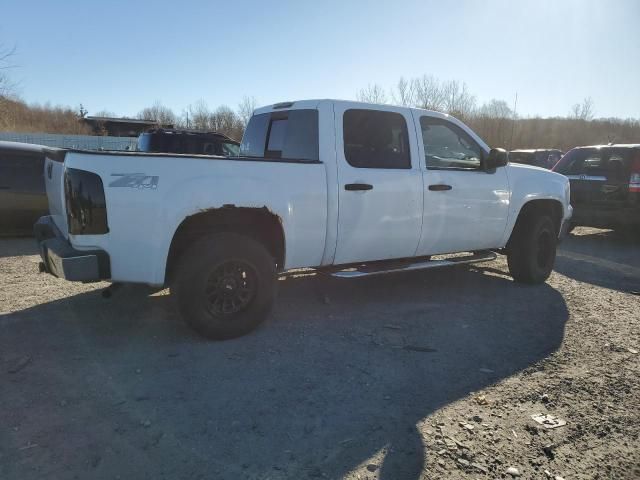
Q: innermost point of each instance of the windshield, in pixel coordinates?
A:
(230, 149)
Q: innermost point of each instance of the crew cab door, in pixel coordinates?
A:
(465, 206)
(379, 183)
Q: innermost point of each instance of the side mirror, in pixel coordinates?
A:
(498, 157)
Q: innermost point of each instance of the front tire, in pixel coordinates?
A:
(225, 285)
(531, 252)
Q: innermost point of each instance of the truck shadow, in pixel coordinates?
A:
(601, 257)
(15, 246)
(343, 372)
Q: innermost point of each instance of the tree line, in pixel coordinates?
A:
(494, 120)
(17, 116)
(498, 124)
(199, 116)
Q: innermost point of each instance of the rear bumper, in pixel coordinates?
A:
(60, 259)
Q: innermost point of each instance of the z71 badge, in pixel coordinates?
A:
(135, 180)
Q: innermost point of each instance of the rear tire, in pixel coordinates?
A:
(225, 285)
(531, 252)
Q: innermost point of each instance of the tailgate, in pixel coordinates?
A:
(54, 184)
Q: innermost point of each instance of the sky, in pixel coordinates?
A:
(122, 56)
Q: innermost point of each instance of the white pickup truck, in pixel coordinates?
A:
(350, 189)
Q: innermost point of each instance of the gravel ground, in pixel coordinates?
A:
(430, 375)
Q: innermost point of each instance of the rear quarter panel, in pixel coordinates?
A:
(142, 220)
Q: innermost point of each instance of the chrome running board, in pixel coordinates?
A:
(379, 268)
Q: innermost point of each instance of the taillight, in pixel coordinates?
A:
(634, 179)
(86, 206)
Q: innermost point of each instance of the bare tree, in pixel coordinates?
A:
(405, 95)
(7, 87)
(198, 116)
(226, 121)
(102, 113)
(458, 101)
(495, 109)
(428, 93)
(246, 108)
(494, 120)
(158, 113)
(372, 94)
(584, 110)
(223, 119)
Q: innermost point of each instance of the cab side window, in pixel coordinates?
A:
(447, 146)
(375, 139)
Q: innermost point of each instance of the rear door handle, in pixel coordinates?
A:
(351, 187)
(439, 187)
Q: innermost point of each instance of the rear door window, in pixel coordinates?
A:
(288, 135)
(375, 139)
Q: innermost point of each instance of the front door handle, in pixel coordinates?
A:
(439, 187)
(351, 187)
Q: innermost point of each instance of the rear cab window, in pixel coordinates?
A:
(282, 135)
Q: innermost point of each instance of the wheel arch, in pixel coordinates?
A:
(538, 206)
(260, 224)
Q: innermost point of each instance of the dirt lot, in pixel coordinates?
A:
(431, 375)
